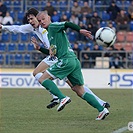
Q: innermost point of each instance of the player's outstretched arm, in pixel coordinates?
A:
(78, 29)
(86, 33)
(27, 28)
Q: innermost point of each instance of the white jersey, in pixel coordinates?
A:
(27, 28)
(40, 32)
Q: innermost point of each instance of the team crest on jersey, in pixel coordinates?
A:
(53, 48)
(44, 31)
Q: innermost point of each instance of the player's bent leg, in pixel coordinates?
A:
(86, 89)
(55, 99)
(63, 99)
(42, 66)
(88, 97)
(103, 112)
(51, 86)
(102, 102)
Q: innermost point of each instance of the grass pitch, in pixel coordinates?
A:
(24, 111)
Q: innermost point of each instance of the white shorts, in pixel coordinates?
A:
(50, 61)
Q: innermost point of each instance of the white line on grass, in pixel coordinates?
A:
(120, 130)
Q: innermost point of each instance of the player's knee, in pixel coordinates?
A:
(38, 76)
(73, 88)
(78, 91)
(34, 73)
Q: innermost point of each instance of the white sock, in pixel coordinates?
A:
(90, 92)
(54, 96)
(37, 76)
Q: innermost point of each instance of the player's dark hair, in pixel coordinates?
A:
(31, 11)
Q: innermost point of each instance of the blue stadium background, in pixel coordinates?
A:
(17, 51)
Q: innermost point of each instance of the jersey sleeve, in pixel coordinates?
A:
(57, 26)
(72, 26)
(27, 28)
(44, 50)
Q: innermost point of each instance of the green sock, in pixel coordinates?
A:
(92, 101)
(51, 86)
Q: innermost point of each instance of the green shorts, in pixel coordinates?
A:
(69, 68)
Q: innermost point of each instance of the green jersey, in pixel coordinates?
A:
(58, 40)
(68, 65)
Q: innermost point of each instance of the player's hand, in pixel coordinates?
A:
(35, 43)
(86, 33)
(51, 52)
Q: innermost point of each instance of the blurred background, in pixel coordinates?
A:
(16, 50)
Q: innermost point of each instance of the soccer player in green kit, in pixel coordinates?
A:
(68, 65)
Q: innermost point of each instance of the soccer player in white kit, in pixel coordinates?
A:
(33, 27)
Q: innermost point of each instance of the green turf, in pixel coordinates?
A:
(24, 111)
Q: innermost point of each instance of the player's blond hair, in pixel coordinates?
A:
(43, 12)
